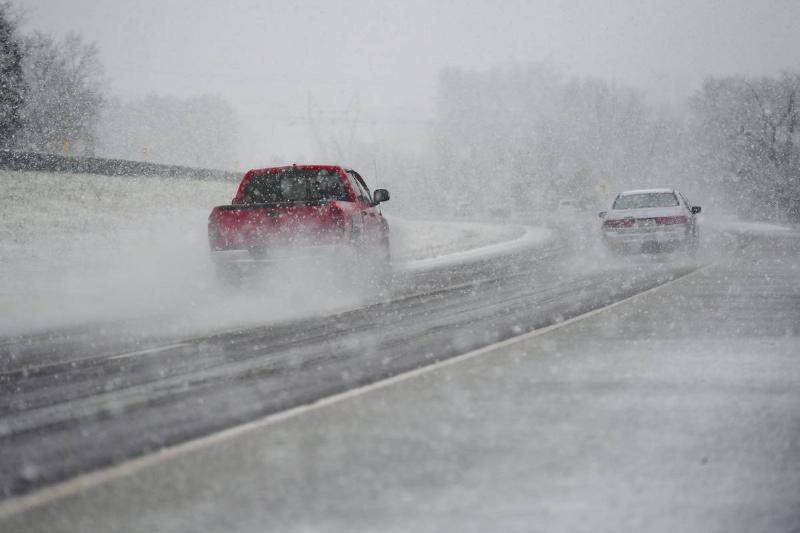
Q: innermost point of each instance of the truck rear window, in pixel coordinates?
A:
(294, 186)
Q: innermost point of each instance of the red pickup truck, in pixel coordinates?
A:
(291, 210)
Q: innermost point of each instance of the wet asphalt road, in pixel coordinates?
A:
(80, 399)
(677, 410)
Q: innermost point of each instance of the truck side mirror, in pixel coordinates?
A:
(696, 209)
(380, 195)
(602, 214)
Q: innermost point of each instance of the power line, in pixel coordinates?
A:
(343, 119)
(252, 76)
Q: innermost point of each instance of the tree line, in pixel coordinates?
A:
(747, 134)
(523, 136)
(527, 136)
(54, 98)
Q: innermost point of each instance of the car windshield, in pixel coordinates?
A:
(294, 185)
(648, 199)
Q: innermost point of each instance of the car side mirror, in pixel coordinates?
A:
(602, 214)
(380, 195)
(696, 209)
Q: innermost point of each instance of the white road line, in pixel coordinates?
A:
(86, 481)
(148, 351)
(117, 357)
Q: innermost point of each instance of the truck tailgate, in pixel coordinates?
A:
(233, 227)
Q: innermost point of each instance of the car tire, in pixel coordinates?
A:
(694, 242)
(613, 250)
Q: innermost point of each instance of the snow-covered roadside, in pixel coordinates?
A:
(423, 244)
(742, 226)
(77, 248)
(415, 240)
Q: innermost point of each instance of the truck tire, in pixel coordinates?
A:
(228, 274)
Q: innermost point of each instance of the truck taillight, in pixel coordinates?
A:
(680, 219)
(337, 217)
(215, 239)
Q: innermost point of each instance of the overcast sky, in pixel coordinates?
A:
(275, 60)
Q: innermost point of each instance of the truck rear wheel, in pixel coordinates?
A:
(228, 273)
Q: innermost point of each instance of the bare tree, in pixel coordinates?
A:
(198, 131)
(12, 83)
(749, 131)
(527, 135)
(65, 94)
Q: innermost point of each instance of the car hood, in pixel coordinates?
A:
(645, 212)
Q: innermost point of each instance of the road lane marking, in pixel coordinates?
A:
(148, 351)
(96, 359)
(83, 482)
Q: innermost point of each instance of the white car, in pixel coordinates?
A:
(650, 220)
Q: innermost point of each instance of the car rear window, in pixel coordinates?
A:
(294, 186)
(648, 199)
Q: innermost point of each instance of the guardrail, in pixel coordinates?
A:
(42, 162)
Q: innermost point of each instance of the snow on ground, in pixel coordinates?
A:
(77, 248)
(674, 411)
(423, 245)
(415, 240)
(742, 226)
